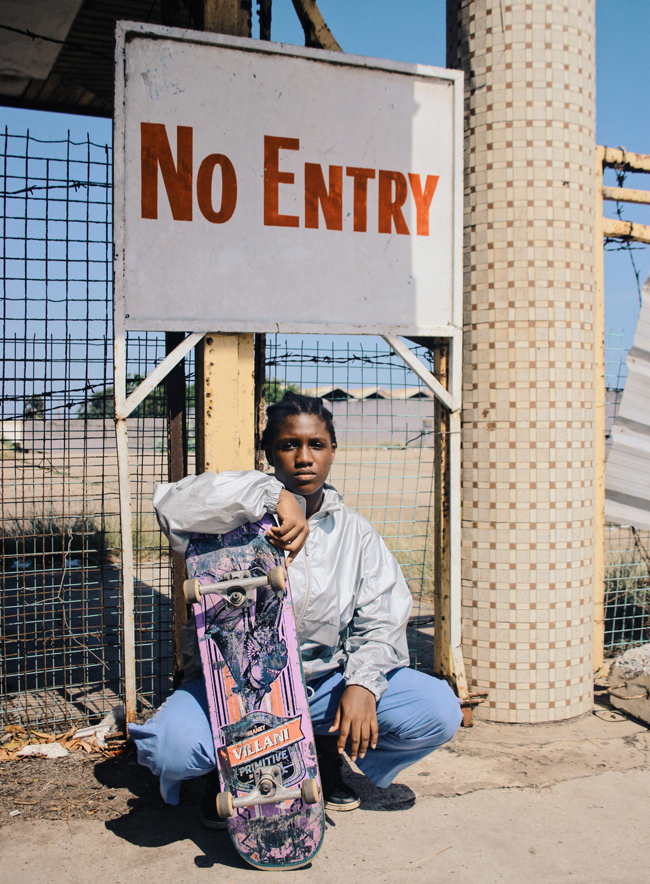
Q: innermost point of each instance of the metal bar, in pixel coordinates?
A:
(631, 162)
(455, 516)
(177, 469)
(626, 229)
(455, 586)
(123, 409)
(448, 656)
(442, 660)
(451, 402)
(599, 420)
(126, 528)
(625, 195)
(259, 406)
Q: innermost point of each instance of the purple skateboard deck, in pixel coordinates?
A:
(259, 712)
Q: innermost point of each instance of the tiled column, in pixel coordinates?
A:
(528, 416)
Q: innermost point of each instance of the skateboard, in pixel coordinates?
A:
(263, 737)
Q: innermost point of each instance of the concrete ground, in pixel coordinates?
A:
(567, 802)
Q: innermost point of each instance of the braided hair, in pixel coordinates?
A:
(293, 404)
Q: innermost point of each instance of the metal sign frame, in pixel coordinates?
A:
(450, 398)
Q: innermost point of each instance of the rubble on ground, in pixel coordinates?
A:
(108, 738)
(635, 662)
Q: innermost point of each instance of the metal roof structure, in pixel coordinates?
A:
(338, 393)
(57, 55)
(627, 473)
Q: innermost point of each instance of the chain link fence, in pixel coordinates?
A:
(60, 627)
(627, 562)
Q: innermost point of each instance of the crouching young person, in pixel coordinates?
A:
(351, 605)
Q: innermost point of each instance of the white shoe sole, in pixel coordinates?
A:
(343, 808)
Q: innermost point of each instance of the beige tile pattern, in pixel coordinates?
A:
(528, 383)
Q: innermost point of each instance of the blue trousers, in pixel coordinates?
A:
(416, 715)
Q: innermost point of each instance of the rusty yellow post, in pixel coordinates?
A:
(443, 665)
(225, 403)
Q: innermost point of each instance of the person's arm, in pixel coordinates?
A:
(215, 503)
(376, 645)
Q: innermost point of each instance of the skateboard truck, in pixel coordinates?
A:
(268, 790)
(237, 587)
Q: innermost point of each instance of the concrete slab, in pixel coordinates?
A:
(580, 831)
(554, 803)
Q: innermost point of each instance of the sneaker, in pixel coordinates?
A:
(208, 813)
(337, 795)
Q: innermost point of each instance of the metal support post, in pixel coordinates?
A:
(177, 469)
(260, 402)
(448, 657)
(124, 406)
(225, 403)
(599, 421)
(126, 529)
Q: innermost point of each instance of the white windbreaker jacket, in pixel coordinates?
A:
(350, 598)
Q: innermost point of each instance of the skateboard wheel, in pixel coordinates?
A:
(191, 591)
(310, 793)
(225, 807)
(277, 580)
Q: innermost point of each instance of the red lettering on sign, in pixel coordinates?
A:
(228, 188)
(360, 196)
(331, 201)
(273, 177)
(177, 177)
(390, 209)
(423, 200)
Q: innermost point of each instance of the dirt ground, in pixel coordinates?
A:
(499, 802)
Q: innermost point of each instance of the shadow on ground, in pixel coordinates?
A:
(146, 821)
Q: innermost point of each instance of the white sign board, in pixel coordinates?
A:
(261, 187)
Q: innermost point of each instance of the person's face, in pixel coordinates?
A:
(302, 454)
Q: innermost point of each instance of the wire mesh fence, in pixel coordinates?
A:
(627, 562)
(60, 580)
(60, 553)
(384, 465)
(60, 625)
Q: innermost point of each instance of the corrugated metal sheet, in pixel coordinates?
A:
(627, 475)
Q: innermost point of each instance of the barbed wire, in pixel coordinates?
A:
(624, 245)
(387, 359)
(74, 185)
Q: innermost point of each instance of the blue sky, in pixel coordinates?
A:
(414, 31)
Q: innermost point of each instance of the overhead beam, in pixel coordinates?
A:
(625, 195)
(615, 157)
(422, 372)
(124, 407)
(317, 34)
(613, 228)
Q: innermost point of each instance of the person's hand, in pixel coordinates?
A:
(356, 717)
(293, 530)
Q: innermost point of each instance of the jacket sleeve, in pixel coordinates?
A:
(213, 503)
(377, 640)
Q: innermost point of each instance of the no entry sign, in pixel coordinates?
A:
(260, 187)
